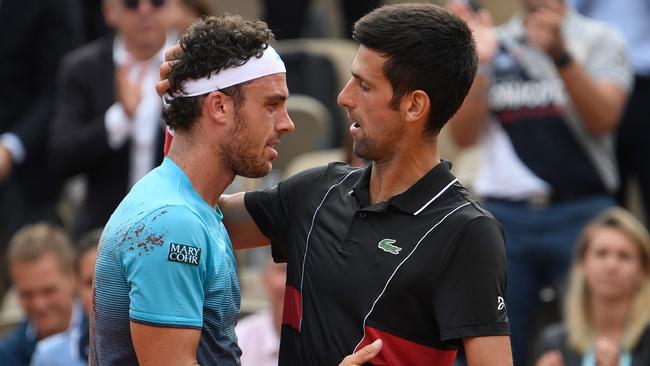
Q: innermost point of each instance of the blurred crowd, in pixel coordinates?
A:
(558, 110)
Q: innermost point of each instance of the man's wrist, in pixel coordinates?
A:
(563, 60)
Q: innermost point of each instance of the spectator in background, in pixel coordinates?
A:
(107, 123)
(632, 17)
(258, 334)
(70, 348)
(33, 38)
(41, 264)
(549, 92)
(607, 313)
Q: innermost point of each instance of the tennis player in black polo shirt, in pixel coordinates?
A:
(398, 251)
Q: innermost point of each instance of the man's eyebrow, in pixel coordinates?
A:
(359, 77)
(277, 97)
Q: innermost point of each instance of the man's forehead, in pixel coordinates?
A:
(368, 63)
(270, 85)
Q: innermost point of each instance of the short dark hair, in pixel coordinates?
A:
(212, 44)
(428, 49)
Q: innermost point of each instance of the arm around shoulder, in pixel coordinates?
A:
(242, 230)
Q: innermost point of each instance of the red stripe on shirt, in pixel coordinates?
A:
(396, 351)
(168, 142)
(292, 307)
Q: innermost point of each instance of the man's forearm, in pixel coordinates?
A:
(488, 351)
(242, 230)
(599, 104)
(468, 123)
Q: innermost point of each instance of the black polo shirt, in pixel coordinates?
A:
(421, 271)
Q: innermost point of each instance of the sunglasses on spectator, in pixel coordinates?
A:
(133, 4)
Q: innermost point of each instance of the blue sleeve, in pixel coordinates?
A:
(164, 261)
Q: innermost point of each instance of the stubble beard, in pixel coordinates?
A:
(239, 151)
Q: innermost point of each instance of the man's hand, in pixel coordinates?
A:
(482, 28)
(544, 29)
(128, 93)
(551, 358)
(6, 163)
(363, 355)
(166, 67)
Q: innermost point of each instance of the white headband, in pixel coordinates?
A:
(270, 63)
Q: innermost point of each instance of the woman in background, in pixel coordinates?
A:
(607, 313)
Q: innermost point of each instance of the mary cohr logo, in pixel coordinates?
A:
(184, 254)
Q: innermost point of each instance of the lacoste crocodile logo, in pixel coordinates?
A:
(387, 246)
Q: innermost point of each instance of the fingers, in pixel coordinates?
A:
(607, 351)
(165, 69)
(548, 16)
(162, 87)
(552, 358)
(363, 355)
(553, 6)
(173, 53)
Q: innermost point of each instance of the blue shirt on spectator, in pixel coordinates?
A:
(17, 347)
(69, 348)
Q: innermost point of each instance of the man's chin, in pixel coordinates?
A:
(256, 173)
(48, 328)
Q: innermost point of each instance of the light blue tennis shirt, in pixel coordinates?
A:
(165, 260)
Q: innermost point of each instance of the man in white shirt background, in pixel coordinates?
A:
(107, 123)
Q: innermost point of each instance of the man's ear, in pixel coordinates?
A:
(416, 106)
(218, 106)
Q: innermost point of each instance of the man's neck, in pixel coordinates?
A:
(397, 175)
(207, 173)
(143, 51)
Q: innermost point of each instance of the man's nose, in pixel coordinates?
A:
(344, 96)
(285, 124)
